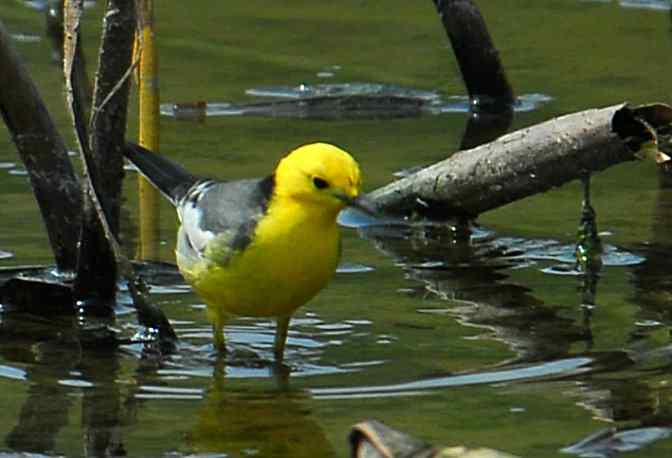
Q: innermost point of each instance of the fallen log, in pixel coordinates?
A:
(523, 163)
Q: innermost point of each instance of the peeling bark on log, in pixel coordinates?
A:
(520, 164)
(44, 154)
(56, 34)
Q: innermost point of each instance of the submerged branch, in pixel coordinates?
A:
(520, 164)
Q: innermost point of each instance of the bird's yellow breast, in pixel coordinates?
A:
(294, 253)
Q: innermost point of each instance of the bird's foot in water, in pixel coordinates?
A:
(245, 357)
(239, 356)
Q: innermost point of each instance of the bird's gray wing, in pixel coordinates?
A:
(219, 218)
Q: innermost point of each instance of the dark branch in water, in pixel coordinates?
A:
(489, 90)
(484, 125)
(35, 290)
(54, 28)
(100, 254)
(520, 164)
(96, 279)
(44, 154)
(475, 52)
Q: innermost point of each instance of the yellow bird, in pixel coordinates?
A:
(259, 247)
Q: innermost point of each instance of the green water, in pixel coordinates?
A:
(478, 347)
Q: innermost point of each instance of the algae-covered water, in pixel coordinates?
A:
(483, 344)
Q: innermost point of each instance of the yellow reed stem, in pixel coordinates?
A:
(149, 131)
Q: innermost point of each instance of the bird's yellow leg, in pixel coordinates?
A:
(218, 334)
(218, 320)
(282, 327)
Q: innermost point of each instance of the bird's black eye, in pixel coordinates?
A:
(320, 183)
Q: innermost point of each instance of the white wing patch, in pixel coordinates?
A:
(192, 236)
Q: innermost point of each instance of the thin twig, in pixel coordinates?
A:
(95, 110)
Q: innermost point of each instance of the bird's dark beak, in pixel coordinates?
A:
(361, 202)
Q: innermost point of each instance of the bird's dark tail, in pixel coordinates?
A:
(168, 177)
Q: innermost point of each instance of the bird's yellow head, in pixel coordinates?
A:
(320, 175)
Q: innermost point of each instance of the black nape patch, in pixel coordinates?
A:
(267, 186)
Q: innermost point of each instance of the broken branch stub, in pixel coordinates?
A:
(373, 439)
(520, 164)
(660, 115)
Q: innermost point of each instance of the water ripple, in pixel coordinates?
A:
(76, 383)
(12, 373)
(656, 5)
(171, 392)
(44, 4)
(6, 254)
(353, 268)
(659, 5)
(554, 368)
(608, 442)
(302, 91)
